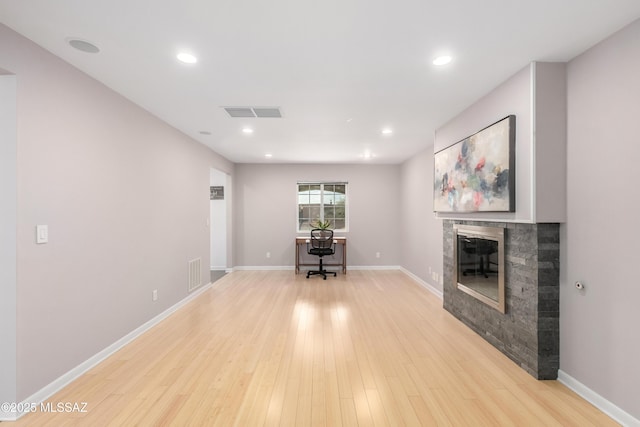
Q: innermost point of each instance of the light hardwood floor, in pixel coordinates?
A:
(273, 348)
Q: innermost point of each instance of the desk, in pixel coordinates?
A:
(302, 241)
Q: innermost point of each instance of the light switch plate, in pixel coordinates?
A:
(42, 234)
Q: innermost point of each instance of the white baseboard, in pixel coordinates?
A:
(373, 267)
(263, 267)
(329, 267)
(8, 416)
(217, 267)
(58, 384)
(428, 286)
(618, 414)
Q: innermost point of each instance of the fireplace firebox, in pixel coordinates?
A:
(479, 257)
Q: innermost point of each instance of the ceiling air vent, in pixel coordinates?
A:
(269, 112)
(240, 111)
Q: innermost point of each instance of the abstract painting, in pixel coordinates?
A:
(477, 174)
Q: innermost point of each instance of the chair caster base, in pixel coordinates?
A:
(322, 273)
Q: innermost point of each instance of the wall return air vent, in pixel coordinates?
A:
(260, 112)
(195, 279)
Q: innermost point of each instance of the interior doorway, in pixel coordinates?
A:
(220, 203)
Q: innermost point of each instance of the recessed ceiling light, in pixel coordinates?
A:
(247, 130)
(268, 155)
(442, 60)
(187, 58)
(387, 131)
(83, 45)
(367, 155)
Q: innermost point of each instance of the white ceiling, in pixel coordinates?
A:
(340, 70)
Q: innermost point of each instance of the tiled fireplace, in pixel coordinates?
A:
(528, 331)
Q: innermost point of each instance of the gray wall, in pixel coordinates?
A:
(600, 342)
(550, 146)
(126, 198)
(265, 203)
(421, 230)
(8, 206)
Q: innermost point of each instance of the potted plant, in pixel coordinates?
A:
(322, 225)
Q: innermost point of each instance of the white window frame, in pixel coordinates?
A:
(322, 184)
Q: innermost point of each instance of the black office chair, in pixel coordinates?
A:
(321, 244)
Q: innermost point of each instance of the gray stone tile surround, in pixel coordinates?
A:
(528, 333)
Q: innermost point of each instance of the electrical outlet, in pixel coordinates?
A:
(154, 295)
(268, 254)
(377, 254)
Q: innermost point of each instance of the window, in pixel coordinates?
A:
(322, 201)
